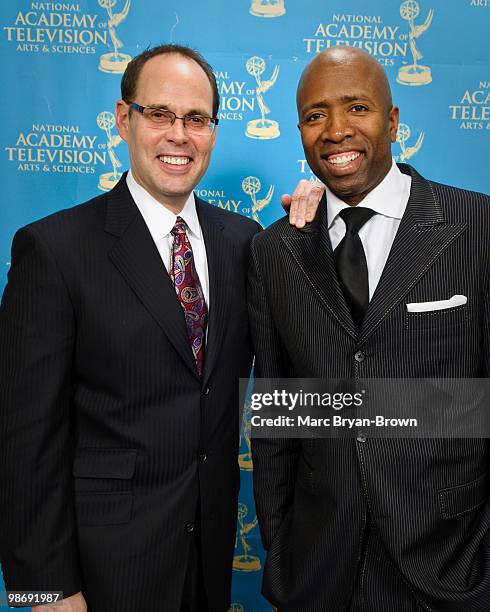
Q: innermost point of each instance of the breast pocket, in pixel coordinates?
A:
(460, 499)
(437, 319)
(103, 481)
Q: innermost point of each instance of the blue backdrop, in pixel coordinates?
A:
(62, 64)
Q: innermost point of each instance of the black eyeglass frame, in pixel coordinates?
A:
(140, 109)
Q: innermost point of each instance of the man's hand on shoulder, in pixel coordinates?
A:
(74, 603)
(303, 204)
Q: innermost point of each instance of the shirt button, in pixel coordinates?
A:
(359, 356)
(361, 437)
(206, 391)
(203, 457)
(189, 527)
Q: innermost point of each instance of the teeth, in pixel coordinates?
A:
(341, 160)
(175, 161)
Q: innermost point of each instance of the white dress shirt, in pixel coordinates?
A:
(160, 222)
(389, 200)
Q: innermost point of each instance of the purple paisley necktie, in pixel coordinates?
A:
(189, 291)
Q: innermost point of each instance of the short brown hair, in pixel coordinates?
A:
(130, 77)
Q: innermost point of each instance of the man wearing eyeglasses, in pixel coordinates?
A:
(124, 333)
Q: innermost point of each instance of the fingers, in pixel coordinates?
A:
(313, 201)
(74, 603)
(297, 204)
(304, 202)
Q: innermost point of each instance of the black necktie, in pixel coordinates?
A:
(351, 262)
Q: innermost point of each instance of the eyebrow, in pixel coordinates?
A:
(190, 112)
(344, 99)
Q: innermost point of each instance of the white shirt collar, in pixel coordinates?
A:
(389, 198)
(158, 218)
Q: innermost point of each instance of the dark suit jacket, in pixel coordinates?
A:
(109, 440)
(428, 546)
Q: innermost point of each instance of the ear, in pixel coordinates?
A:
(122, 119)
(393, 121)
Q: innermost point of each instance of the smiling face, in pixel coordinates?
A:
(347, 122)
(168, 163)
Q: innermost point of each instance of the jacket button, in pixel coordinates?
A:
(206, 391)
(203, 457)
(359, 356)
(189, 527)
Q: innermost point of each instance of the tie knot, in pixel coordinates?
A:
(180, 227)
(355, 217)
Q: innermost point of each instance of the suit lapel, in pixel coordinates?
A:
(423, 235)
(312, 251)
(220, 255)
(136, 257)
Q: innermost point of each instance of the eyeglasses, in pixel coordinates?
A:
(164, 119)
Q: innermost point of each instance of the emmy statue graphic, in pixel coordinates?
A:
(251, 186)
(402, 136)
(263, 128)
(267, 8)
(414, 74)
(106, 121)
(245, 562)
(245, 459)
(116, 62)
(236, 607)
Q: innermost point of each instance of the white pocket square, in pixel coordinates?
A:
(456, 300)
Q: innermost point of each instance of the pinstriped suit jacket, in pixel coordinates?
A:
(428, 544)
(108, 438)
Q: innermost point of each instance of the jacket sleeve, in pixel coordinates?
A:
(38, 542)
(274, 460)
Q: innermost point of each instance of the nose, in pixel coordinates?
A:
(337, 126)
(177, 132)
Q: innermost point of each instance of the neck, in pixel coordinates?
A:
(174, 203)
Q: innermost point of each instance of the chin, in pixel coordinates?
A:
(344, 186)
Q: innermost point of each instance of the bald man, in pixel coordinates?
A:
(361, 524)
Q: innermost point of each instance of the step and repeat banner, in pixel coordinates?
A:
(62, 63)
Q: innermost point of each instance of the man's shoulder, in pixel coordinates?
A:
(71, 219)
(457, 204)
(457, 195)
(235, 222)
(463, 206)
(446, 195)
(281, 229)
